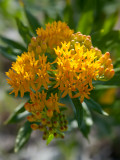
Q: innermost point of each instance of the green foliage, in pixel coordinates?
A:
(88, 17)
(18, 114)
(22, 136)
(92, 105)
(68, 16)
(87, 121)
(24, 31)
(50, 138)
(8, 53)
(85, 22)
(13, 43)
(78, 111)
(110, 22)
(106, 42)
(33, 22)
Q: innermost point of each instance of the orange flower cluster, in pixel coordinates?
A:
(75, 64)
(78, 65)
(28, 74)
(75, 70)
(50, 37)
(46, 112)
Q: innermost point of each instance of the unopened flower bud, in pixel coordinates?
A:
(55, 135)
(101, 70)
(31, 118)
(38, 115)
(33, 41)
(107, 55)
(43, 121)
(41, 128)
(111, 66)
(109, 73)
(62, 128)
(108, 62)
(49, 113)
(55, 124)
(88, 43)
(38, 50)
(49, 124)
(34, 126)
(27, 107)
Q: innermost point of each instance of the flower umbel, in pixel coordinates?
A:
(50, 37)
(29, 73)
(58, 63)
(77, 67)
(46, 112)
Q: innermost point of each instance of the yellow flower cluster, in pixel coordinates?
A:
(75, 70)
(28, 74)
(50, 37)
(75, 63)
(47, 113)
(77, 66)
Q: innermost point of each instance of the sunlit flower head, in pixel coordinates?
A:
(27, 73)
(50, 37)
(76, 68)
(58, 63)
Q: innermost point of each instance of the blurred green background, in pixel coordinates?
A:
(101, 20)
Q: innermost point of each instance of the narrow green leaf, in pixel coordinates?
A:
(32, 20)
(116, 64)
(87, 121)
(24, 31)
(8, 53)
(22, 136)
(85, 22)
(103, 123)
(101, 87)
(91, 104)
(78, 111)
(50, 138)
(108, 41)
(68, 16)
(19, 109)
(13, 43)
(110, 22)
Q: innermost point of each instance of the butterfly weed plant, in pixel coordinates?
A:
(57, 64)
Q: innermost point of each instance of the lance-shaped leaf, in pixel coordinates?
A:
(116, 64)
(24, 31)
(106, 42)
(68, 16)
(13, 43)
(78, 111)
(86, 19)
(110, 22)
(23, 136)
(14, 116)
(8, 53)
(87, 121)
(91, 104)
(32, 20)
(50, 138)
